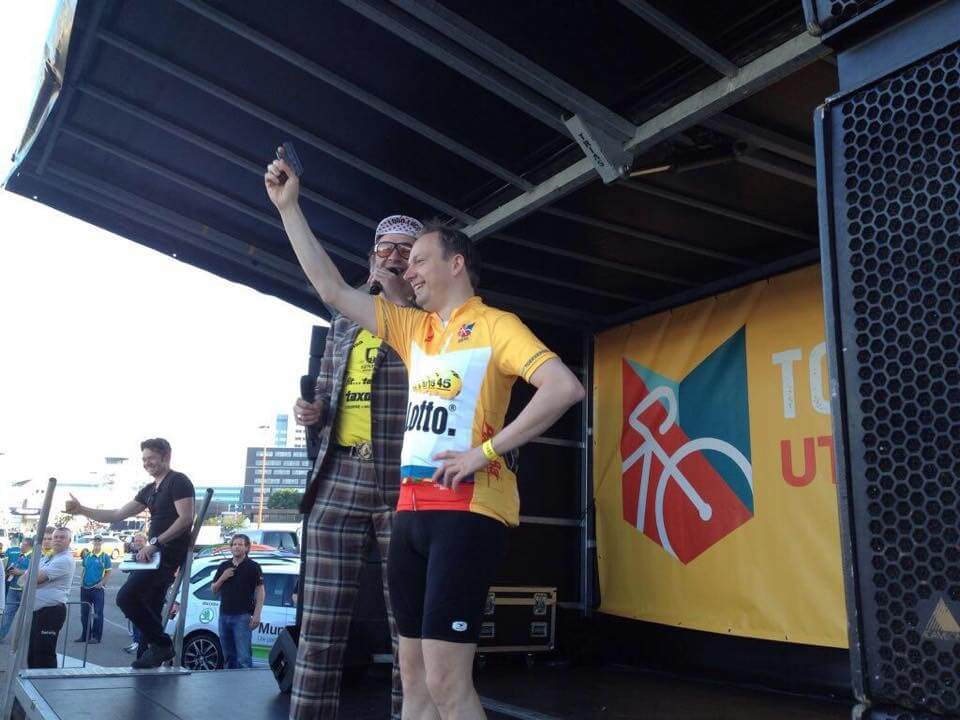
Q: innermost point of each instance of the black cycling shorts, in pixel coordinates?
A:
(441, 565)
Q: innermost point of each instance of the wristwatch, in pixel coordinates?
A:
(155, 541)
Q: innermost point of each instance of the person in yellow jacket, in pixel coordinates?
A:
(46, 545)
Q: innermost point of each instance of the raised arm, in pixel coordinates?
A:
(73, 507)
(316, 263)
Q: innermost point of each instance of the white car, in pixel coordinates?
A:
(280, 539)
(201, 637)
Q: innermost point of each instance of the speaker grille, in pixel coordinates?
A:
(896, 163)
(883, 714)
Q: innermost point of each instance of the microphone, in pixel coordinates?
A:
(308, 388)
(376, 288)
(308, 391)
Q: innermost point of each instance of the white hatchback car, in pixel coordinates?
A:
(201, 638)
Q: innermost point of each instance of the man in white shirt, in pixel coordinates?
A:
(54, 578)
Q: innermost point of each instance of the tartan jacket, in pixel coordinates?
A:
(388, 408)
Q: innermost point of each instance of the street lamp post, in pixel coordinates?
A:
(263, 476)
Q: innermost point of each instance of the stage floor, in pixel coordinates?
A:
(509, 690)
(542, 692)
(123, 694)
(622, 693)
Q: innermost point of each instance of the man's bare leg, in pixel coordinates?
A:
(417, 702)
(449, 672)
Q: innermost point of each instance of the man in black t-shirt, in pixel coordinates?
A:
(170, 499)
(239, 583)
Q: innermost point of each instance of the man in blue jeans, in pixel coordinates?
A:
(15, 573)
(96, 570)
(239, 583)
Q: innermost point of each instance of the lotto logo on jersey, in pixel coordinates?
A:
(442, 404)
(446, 384)
(687, 477)
(426, 416)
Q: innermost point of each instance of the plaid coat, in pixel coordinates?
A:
(388, 408)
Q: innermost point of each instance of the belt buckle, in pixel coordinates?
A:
(363, 451)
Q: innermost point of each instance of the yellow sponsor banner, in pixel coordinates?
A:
(713, 467)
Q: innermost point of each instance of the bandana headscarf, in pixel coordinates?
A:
(398, 225)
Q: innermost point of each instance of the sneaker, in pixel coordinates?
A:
(94, 641)
(155, 656)
(80, 639)
(131, 648)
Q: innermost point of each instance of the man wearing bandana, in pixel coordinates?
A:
(359, 414)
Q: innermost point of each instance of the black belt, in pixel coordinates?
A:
(362, 451)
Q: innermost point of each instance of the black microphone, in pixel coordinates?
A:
(308, 391)
(308, 388)
(376, 288)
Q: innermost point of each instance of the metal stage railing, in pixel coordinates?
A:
(65, 634)
(181, 587)
(24, 620)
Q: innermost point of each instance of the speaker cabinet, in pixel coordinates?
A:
(889, 166)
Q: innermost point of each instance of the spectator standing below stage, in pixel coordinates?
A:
(10, 557)
(136, 544)
(15, 572)
(239, 583)
(458, 496)
(170, 500)
(359, 412)
(46, 545)
(96, 570)
(54, 578)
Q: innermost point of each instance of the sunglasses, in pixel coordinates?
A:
(385, 248)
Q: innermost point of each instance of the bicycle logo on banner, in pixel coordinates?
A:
(651, 448)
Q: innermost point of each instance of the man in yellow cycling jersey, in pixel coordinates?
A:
(458, 496)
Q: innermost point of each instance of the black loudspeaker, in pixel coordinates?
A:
(283, 657)
(889, 179)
